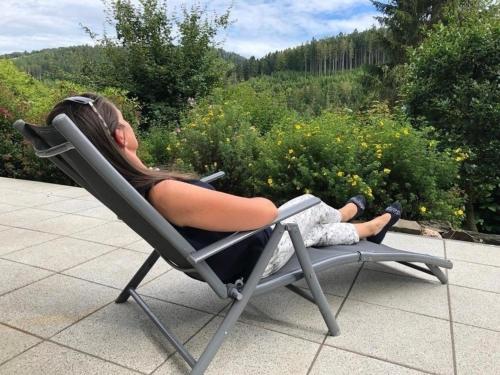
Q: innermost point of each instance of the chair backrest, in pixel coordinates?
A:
(70, 150)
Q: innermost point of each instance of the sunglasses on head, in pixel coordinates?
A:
(84, 100)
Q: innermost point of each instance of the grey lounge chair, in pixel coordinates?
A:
(65, 145)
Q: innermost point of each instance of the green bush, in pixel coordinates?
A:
(333, 156)
(453, 84)
(23, 97)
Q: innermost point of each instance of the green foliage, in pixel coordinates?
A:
(22, 96)
(407, 22)
(320, 57)
(77, 64)
(453, 84)
(333, 156)
(162, 69)
(311, 95)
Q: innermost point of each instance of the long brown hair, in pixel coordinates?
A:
(101, 137)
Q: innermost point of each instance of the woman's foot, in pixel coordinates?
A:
(354, 208)
(390, 216)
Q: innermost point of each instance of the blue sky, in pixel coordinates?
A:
(259, 26)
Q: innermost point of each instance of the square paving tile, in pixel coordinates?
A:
(67, 224)
(122, 333)
(475, 276)
(70, 205)
(475, 307)
(4, 207)
(336, 281)
(47, 306)
(15, 275)
(16, 238)
(141, 246)
(48, 358)
(177, 287)
(473, 252)
(417, 244)
(26, 199)
(406, 293)
(477, 350)
(99, 212)
(59, 254)
(116, 268)
(111, 233)
(409, 339)
(284, 311)
(248, 350)
(27, 217)
(14, 342)
(73, 192)
(340, 362)
(30, 186)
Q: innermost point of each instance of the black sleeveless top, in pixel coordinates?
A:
(233, 263)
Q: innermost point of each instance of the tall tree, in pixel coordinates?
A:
(161, 67)
(453, 83)
(407, 22)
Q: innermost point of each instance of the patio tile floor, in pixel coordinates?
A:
(64, 258)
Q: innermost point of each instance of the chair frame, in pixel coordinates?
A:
(305, 265)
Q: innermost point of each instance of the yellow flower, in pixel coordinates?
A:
(354, 183)
(307, 191)
(423, 209)
(458, 213)
(459, 158)
(290, 151)
(339, 173)
(381, 123)
(356, 177)
(387, 170)
(397, 135)
(364, 144)
(270, 181)
(169, 148)
(338, 139)
(406, 131)
(279, 142)
(308, 134)
(298, 126)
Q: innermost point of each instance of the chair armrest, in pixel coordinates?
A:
(213, 177)
(236, 237)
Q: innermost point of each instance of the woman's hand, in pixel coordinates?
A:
(185, 204)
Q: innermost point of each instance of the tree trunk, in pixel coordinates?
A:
(470, 218)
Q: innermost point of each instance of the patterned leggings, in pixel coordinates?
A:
(319, 226)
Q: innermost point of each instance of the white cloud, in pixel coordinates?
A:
(260, 26)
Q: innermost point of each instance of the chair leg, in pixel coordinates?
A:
(438, 273)
(138, 277)
(433, 270)
(238, 306)
(312, 279)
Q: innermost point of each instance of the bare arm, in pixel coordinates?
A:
(189, 205)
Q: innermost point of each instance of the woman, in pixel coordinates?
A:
(202, 214)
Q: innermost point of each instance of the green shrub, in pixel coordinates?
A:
(453, 83)
(23, 97)
(333, 156)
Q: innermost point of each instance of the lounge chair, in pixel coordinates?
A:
(66, 146)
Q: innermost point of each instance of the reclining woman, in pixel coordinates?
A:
(203, 215)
